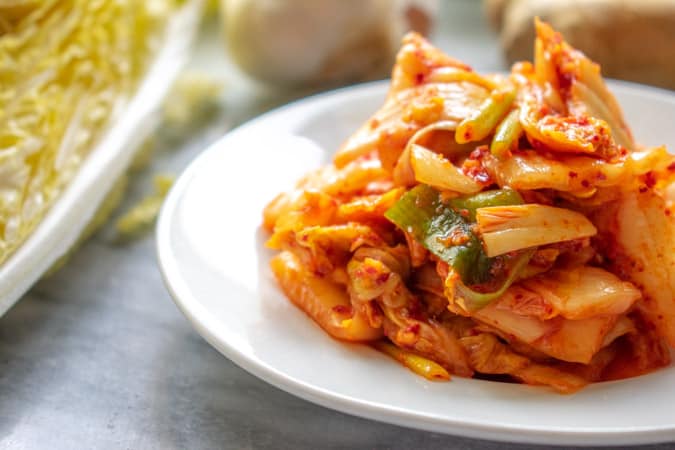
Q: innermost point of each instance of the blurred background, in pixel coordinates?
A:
(263, 53)
(303, 42)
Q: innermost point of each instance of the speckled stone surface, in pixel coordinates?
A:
(98, 357)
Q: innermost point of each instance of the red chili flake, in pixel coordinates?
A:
(414, 328)
(342, 309)
(668, 212)
(479, 174)
(456, 237)
(585, 183)
(382, 278)
(650, 179)
(671, 166)
(419, 78)
(573, 174)
(473, 166)
(371, 270)
(601, 176)
(643, 189)
(565, 80)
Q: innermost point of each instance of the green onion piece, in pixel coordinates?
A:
(507, 134)
(481, 123)
(475, 300)
(443, 231)
(446, 231)
(497, 197)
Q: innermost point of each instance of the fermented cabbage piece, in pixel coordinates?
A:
(490, 226)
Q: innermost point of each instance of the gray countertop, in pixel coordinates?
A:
(97, 355)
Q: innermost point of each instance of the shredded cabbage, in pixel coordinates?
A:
(66, 69)
(142, 215)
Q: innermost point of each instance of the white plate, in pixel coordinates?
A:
(71, 213)
(211, 253)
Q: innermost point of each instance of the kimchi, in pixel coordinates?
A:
(506, 227)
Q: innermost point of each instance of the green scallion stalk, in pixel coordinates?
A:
(446, 230)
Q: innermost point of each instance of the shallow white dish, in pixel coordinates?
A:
(76, 205)
(211, 253)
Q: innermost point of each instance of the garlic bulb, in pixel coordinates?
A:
(309, 41)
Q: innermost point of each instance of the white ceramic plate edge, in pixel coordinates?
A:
(199, 318)
(207, 327)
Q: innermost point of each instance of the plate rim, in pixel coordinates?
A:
(206, 325)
